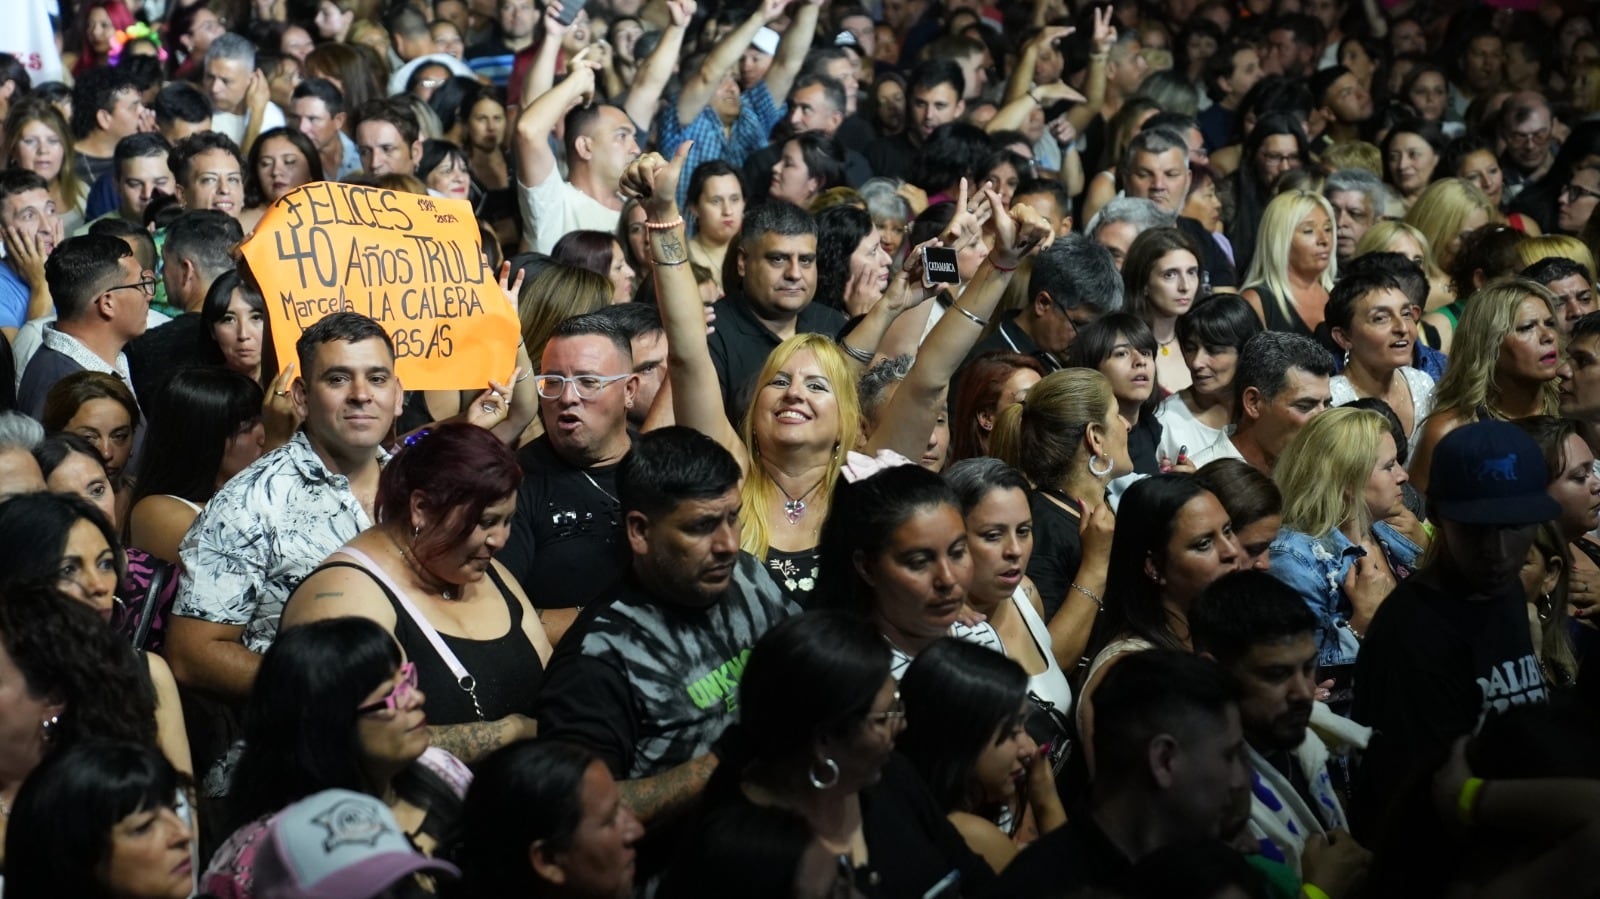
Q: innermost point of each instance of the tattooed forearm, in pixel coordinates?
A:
(651, 797)
(671, 249)
(471, 742)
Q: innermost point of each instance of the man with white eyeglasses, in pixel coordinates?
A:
(566, 542)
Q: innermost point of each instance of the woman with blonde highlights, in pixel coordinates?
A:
(1503, 365)
(1445, 212)
(37, 139)
(1341, 479)
(1293, 267)
(1068, 438)
(803, 416)
(1533, 249)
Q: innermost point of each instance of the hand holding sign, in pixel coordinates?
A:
(413, 263)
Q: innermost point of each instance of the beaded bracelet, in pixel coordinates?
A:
(664, 226)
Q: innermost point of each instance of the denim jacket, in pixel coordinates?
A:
(1316, 568)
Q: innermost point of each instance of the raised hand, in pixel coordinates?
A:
(491, 407)
(1050, 35)
(681, 11)
(1105, 34)
(1017, 233)
(553, 26)
(772, 10)
(257, 92)
(966, 225)
(27, 254)
(581, 69)
(654, 181)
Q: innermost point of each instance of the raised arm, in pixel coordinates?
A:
(699, 86)
(541, 75)
(911, 412)
(792, 50)
(696, 393)
(538, 119)
(1094, 86)
(1022, 77)
(1014, 114)
(654, 73)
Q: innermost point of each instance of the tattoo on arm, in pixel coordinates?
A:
(672, 249)
(329, 595)
(651, 797)
(469, 742)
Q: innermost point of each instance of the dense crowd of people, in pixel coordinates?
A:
(1050, 449)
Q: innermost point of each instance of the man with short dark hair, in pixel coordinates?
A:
(776, 261)
(388, 138)
(647, 338)
(409, 37)
(565, 541)
(600, 142)
(1170, 768)
(1230, 74)
(1281, 383)
(648, 678)
(209, 170)
(1293, 42)
(274, 522)
(1572, 284)
(197, 250)
(138, 172)
(106, 107)
(181, 110)
(494, 56)
(1341, 106)
(1580, 387)
(817, 104)
(317, 111)
(933, 98)
(102, 297)
(1074, 282)
(1261, 636)
(30, 230)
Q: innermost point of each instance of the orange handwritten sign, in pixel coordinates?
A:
(413, 263)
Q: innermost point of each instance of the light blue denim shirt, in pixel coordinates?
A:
(1316, 568)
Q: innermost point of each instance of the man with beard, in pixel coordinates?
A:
(1262, 636)
(648, 677)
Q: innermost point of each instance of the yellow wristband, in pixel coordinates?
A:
(1467, 801)
(1313, 891)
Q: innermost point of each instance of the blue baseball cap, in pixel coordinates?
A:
(1489, 473)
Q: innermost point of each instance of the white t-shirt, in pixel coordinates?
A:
(1180, 430)
(551, 209)
(233, 124)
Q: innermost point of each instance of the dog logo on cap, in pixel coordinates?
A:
(1501, 469)
(351, 823)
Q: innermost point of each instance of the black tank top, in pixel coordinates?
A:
(507, 668)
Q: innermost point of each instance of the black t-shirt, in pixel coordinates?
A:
(649, 685)
(159, 353)
(566, 544)
(1432, 667)
(1057, 551)
(911, 845)
(1143, 441)
(1075, 855)
(740, 346)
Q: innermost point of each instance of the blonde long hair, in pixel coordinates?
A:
(1042, 436)
(1533, 249)
(760, 492)
(555, 294)
(36, 109)
(1324, 469)
(1490, 314)
(1269, 267)
(1443, 208)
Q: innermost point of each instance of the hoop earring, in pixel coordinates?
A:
(1100, 472)
(831, 778)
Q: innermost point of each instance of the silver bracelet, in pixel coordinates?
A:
(861, 356)
(1100, 603)
(976, 319)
